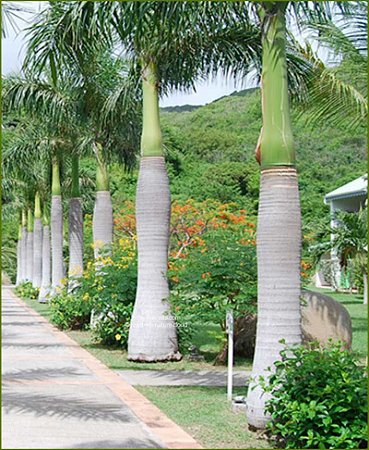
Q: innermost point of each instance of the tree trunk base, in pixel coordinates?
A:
(154, 359)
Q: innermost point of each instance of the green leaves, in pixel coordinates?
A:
(318, 399)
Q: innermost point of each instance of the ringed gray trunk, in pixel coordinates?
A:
(152, 334)
(23, 268)
(278, 256)
(102, 222)
(46, 259)
(29, 268)
(57, 272)
(75, 238)
(19, 262)
(37, 253)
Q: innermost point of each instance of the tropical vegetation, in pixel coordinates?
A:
(139, 240)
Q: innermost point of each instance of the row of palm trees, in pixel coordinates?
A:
(168, 46)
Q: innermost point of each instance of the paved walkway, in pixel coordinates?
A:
(209, 378)
(57, 395)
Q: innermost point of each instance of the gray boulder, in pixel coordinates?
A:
(322, 319)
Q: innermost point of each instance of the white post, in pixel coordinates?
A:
(229, 322)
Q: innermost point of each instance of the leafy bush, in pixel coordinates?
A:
(71, 310)
(107, 288)
(319, 399)
(26, 290)
(116, 292)
(212, 265)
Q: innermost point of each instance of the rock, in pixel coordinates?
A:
(322, 319)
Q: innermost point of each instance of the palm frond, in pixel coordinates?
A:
(331, 99)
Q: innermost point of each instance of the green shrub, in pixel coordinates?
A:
(26, 290)
(319, 399)
(209, 280)
(113, 305)
(71, 311)
(108, 289)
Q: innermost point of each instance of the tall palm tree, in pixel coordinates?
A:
(37, 243)
(279, 217)
(171, 44)
(19, 256)
(53, 105)
(56, 228)
(94, 73)
(23, 250)
(75, 233)
(46, 261)
(29, 251)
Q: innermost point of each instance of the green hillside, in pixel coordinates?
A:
(216, 143)
(210, 155)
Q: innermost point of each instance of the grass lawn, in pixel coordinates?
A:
(205, 414)
(203, 411)
(359, 316)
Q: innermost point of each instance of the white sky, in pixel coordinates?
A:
(14, 45)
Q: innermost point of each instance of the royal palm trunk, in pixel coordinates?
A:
(152, 334)
(37, 245)
(23, 265)
(29, 250)
(75, 226)
(57, 271)
(279, 222)
(75, 238)
(19, 257)
(46, 263)
(102, 222)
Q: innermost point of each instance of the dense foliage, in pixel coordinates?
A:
(107, 290)
(26, 290)
(210, 155)
(319, 399)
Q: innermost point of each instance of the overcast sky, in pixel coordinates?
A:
(13, 49)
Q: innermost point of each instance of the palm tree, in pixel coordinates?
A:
(94, 73)
(338, 94)
(19, 256)
(54, 107)
(170, 50)
(37, 243)
(29, 251)
(279, 217)
(57, 266)
(46, 261)
(11, 12)
(75, 232)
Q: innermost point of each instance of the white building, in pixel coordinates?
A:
(350, 197)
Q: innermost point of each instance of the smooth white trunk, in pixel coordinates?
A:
(46, 260)
(23, 265)
(75, 238)
(102, 222)
(37, 254)
(29, 268)
(278, 255)
(57, 270)
(152, 335)
(19, 262)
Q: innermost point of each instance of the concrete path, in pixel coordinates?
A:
(57, 395)
(209, 378)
